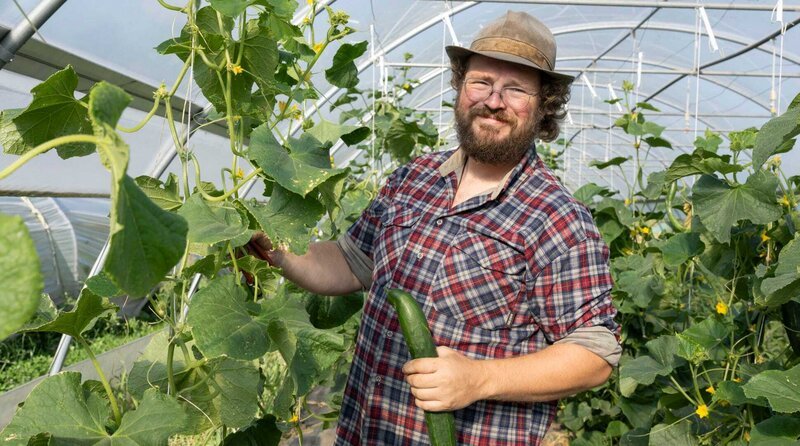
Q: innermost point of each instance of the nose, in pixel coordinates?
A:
(494, 100)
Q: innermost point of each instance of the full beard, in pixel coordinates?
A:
(488, 149)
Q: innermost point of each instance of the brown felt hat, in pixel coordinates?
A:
(516, 37)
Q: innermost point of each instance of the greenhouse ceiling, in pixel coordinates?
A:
(719, 65)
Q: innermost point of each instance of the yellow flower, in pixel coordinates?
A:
(722, 308)
(281, 106)
(645, 230)
(318, 47)
(294, 419)
(737, 380)
(239, 173)
(310, 2)
(702, 411)
(764, 237)
(784, 200)
(236, 69)
(746, 436)
(711, 390)
(627, 202)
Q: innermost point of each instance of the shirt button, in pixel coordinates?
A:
(419, 254)
(389, 333)
(439, 222)
(378, 380)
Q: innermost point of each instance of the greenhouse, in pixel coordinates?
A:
(289, 222)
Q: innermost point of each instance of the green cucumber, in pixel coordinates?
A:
(790, 312)
(441, 425)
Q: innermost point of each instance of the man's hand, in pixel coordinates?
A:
(261, 246)
(449, 382)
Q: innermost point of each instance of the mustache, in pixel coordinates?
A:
(485, 112)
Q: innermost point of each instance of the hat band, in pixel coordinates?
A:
(513, 47)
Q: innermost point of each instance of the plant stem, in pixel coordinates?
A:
(44, 147)
(146, 119)
(111, 398)
(679, 388)
(170, 7)
(170, 372)
(178, 81)
(227, 194)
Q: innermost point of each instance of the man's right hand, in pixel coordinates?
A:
(261, 246)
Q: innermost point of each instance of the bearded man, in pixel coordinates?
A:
(509, 269)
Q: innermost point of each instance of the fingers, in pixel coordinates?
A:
(262, 241)
(422, 365)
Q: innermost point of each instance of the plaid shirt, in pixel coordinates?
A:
(499, 275)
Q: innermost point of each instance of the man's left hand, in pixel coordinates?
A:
(449, 382)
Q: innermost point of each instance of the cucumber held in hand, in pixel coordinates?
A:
(441, 425)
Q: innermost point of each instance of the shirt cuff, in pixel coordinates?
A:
(598, 340)
(360, 264)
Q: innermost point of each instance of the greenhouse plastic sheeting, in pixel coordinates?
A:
(601, 42)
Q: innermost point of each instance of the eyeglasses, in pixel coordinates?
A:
(478, 90)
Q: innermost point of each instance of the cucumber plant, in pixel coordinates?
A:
(236, 361)
(704, 255)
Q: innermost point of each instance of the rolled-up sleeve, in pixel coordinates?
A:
(574, 291)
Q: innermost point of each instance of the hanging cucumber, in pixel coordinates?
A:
(441, 425)
(791, 321)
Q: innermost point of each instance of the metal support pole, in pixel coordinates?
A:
(21, 33)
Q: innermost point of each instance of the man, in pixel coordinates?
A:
(509, 269)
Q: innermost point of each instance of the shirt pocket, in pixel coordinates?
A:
(480, 282)
(397, 224)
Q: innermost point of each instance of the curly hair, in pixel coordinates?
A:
(554, 94)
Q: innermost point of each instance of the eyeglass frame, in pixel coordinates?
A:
(500, 92)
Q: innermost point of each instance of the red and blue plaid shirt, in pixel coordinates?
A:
(499, 275)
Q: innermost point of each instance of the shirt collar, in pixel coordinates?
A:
(456, 162)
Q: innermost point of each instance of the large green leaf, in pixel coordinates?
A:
(238, 383)
(102, 285)
(301, 168)
(225, 323)
(264, 432)
(786, 283)
(224, 390)
(309, 351)
(701, 341)
(73, 414)
(164, 194)
(88, 308)
(778, 430)
(642, 370)
(332, 311)
(60, 406)
(212, 222)
(19, 273)
(700, 162)
(287, 219)
(156, 418)
(588, 191)
(776, 132)
(720, 206)
(231, 8)
(780, 387)
(676, 434)
(146, 241)
(343, 71)
(260, 58)
(612, 162)
(681, 247)
(328, 132)
(52, 113)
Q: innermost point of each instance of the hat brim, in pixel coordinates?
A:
(461, 53)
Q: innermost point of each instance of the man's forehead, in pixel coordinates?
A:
(478, 63)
